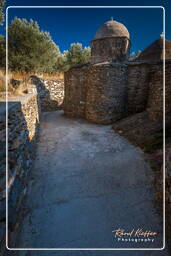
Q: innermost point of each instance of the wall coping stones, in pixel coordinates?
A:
(109, 64)
(22, 98)
(78, 66)
(13, 103)
(134, 62)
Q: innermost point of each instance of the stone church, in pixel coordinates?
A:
(112, 87)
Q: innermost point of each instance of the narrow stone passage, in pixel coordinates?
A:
(86, 181)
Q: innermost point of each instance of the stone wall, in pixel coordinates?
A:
(23, 116)
(106, 93)
(155, 95)
(109, 49)
(168, 91)
(145, 89)
(168, 176)
(96, 92)
(75, 91)
(137, 87)
(50, 91)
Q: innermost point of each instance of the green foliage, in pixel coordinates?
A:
(86, 54)
(2, 52)
(74, 56)
(33, 50)
(77, 54)
(61, 63)
(30, 49)
(2, 5)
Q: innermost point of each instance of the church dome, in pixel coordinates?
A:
(112, 28)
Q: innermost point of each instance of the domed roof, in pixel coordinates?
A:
(111, 28)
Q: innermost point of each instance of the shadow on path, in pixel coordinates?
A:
(86, 182)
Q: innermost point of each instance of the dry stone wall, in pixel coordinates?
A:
(23, 116)
(145, 89)
(168, 176)
(75, 91)
(168, 91)
(106, 93)
(155, 96)
(50, 91)
(137, 87)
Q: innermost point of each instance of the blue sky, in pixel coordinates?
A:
(67, 26)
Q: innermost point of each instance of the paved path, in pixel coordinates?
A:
(86, 182)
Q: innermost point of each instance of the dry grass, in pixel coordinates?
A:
(23, 79)
(19, 75)
(58, 75)
(18, 91)
(2, 81)
(11, 75)
(24, 76)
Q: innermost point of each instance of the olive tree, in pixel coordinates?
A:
(2, 52)
(29, 48)
(2, 5)
(77, 54)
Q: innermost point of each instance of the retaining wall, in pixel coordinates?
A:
(23, 123)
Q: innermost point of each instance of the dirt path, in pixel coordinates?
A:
(86, 182)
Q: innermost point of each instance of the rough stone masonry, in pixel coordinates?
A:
(23, 123)
(111, 87)
(50, 91)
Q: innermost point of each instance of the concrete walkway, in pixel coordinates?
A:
(86, 182)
